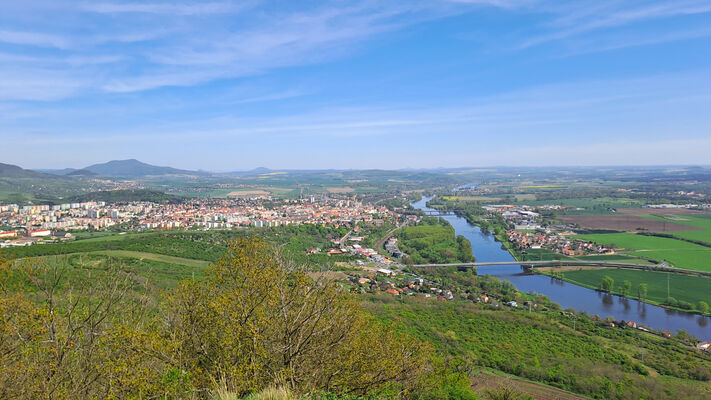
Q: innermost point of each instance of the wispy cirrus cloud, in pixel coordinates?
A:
(190, 51)
(296, 39)
(617, 42)
(76, 42)
(507, 4)
(194, 9)
(29, 38)
(586, 18)
(40, 84)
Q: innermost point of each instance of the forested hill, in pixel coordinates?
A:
(132, 169)
(13, 171)
(117, 196)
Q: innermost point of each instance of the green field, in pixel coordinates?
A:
(677, 252)
(589, 203)
(699, 221)
(613, 257)
(691, 289)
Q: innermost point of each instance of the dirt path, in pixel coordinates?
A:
(485, 381)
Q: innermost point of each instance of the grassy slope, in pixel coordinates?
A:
(489, 379)
(687, 288)
(679, 253)
(152, 273)
(592, 361)
(161, 258)
(199, 245)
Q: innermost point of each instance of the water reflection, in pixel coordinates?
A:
(642, 309)
(625, 303)
(607, 300)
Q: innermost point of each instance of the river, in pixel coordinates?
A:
(568, 295)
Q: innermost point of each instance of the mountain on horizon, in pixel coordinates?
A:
(131, 169)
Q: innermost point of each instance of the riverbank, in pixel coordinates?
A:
(688, 289)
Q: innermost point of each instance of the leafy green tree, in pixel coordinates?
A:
(257, 320)
(625, 288)
(642, 291)
(607, 284)
(703, 307)
(684, 336)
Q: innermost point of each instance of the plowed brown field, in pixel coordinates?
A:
(624, 223)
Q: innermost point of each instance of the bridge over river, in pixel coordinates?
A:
(570, 263)
(438, 213)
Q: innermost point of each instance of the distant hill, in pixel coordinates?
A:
(117, 196)
(13, 171)
(132, 169)
(264, 170)
(255, 171)
(64, 171)
(81, 172)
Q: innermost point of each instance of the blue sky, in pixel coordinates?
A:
(224, 85)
